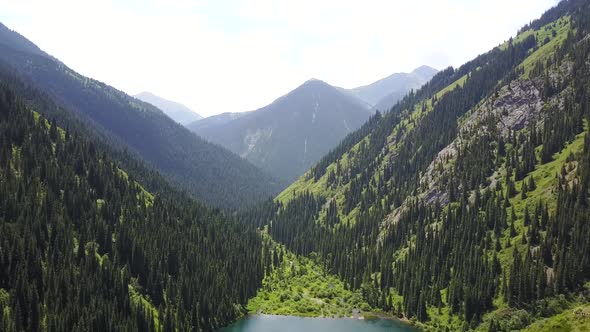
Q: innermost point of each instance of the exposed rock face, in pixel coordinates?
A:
(514, 107)
(517, 105)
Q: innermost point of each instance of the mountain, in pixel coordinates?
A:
(176, 111)
(211, 173)
(285, 138)
(420, 76)
(466, 207)
(86, 246)
(384, 93)
(288, 136)
(214, 121)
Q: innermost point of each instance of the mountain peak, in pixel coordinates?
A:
(425, 72)
(312, 85)
(424, 68)
(314, 82)
(144, 94)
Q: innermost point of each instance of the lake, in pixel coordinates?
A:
(270, 323)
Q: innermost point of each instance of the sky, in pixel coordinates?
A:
(231, 56)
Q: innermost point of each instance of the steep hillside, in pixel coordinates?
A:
(466, 206)
(288, 136)
(211, 173)
(176, 111)
(384, 93)
(84, 246)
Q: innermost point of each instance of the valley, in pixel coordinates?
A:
(451, 200)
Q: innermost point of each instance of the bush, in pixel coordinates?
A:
(552, 306)
(284, 296)
(519, 320)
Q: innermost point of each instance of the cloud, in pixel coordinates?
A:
(218, 56)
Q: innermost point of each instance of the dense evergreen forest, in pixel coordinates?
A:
(83, 246)
(450, 211)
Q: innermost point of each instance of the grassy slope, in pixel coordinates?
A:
(540, 34)
(300, 286)
(575, 319)
(545, 51)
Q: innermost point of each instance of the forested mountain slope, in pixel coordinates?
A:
(213, 174)
(466, 205)
(83, 246)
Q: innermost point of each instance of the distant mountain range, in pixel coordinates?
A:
(176, 111)
(214, 121)
(291, 134)
(384, 93)
(288, 136)
(211, 173)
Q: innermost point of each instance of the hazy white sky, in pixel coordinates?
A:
(217, 56)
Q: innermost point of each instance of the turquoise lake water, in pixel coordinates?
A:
(269, 323)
